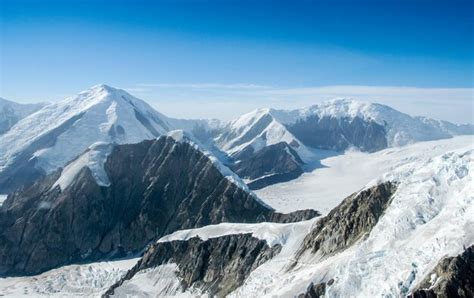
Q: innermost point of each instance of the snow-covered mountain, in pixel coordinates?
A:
(388, 239)
(113, 200)
(57, 133)
(112, 176)
(336, 125)
(54, 135)
(12, 112)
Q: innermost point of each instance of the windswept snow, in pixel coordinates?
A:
(2, 199)
(431, 216)
(160, 281)
(88, 280)
(341, 175)
(272, 233)
(94, 158)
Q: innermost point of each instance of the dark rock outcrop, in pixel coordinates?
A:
(156, 187)
(351, 220)
(294, 216)
(314, 291)
(272, 164)
(339, 133)
(454, 278)
(217, 266)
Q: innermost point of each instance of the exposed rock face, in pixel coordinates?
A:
(314, 291)
(353, 219)
(272, 164)
(216, 266)
(340, 133)
(453, 277)
(294, 216)
(156, 187)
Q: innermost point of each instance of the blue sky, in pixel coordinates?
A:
(162, 50)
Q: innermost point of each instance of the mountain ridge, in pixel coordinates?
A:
(48, 139)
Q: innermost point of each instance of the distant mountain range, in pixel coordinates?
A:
(103, 176)
(46, 140)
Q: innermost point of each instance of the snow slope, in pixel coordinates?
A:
(272, 233)
(11, 112)
(87, 280)
(341, 175)
(59, 132)
(94, 158)
(257, 130)
(431, 216)
(2, 199)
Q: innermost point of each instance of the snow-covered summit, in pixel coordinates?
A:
(60, 131)
(54, 135)
(401, 128)
(338, 121)
(256, 130)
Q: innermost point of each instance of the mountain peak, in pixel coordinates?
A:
(103, 87)
(100, 91)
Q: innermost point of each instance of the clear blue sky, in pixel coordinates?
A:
(54, 48)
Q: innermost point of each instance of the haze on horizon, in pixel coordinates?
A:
(219, 59)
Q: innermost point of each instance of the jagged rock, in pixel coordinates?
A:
(294, 216)
(217, 266)
(270, 165)
(156, 187)
(314, 291)
(349, 221)
(339, 133)
(453, 277)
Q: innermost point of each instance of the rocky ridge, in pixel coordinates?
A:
(155, 187)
